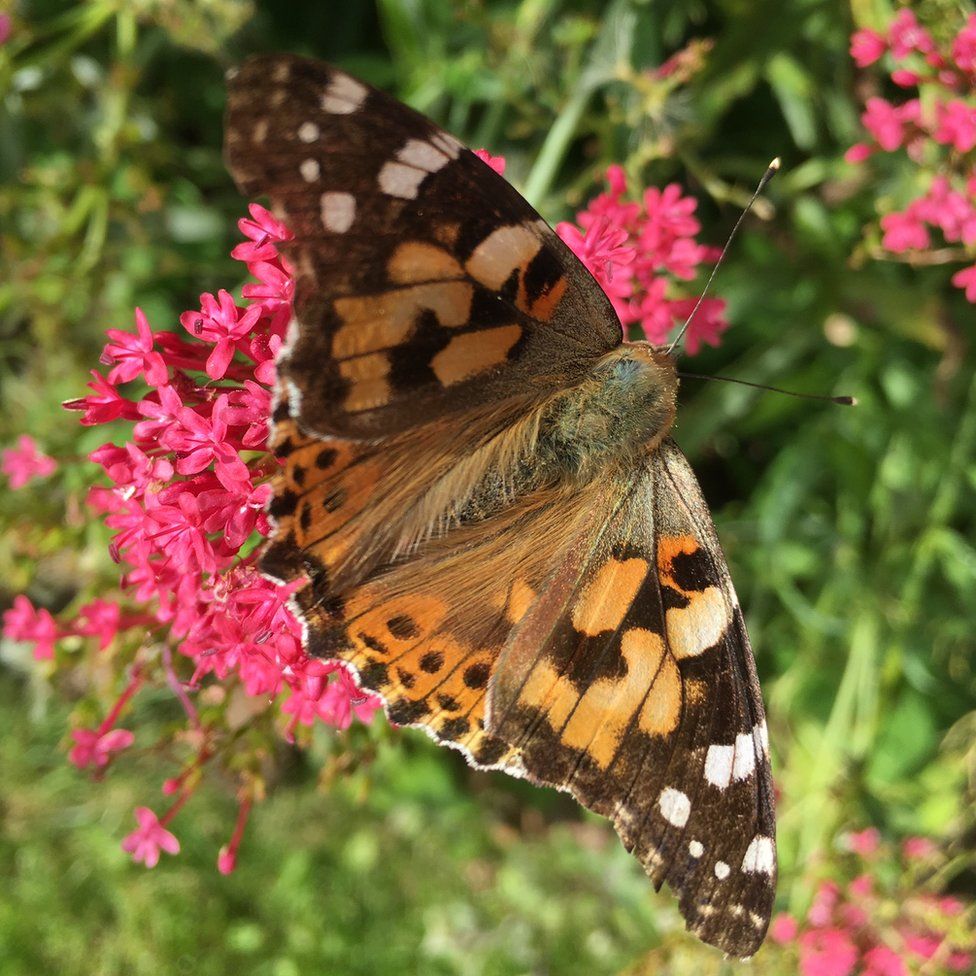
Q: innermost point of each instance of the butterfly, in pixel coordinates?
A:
(479, 498)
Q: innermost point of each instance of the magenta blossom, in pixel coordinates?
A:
(933, 131)
(145, 843)
(95, 748)
(132, 356)
(23, 623)
(23, 463)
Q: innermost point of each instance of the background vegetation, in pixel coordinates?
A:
(850, 532)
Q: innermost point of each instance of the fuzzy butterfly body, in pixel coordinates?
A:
(481, 500)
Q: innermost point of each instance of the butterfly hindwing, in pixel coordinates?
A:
(425, 284)
(631, 684)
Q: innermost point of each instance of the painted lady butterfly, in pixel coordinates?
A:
(478, 485)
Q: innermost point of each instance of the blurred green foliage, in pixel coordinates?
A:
(850, 532)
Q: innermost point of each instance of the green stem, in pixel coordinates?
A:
(554, 148)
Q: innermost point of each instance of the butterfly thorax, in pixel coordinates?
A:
(621, 410)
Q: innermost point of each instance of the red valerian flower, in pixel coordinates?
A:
(867, 46)
(935, 130)
(23, 623)
(134, 355)
(23, 463)
(95, 748)
(145, 843)
(638, 252)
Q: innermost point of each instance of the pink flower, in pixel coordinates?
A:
(226, 859)
(497, 163)
(918, 848)
(884, 121)
(6, 28)
(882, 961)
(23, 623)
(221, 322)
(100, 619)
(904, 232)
(145, 843)
(964, 47)
(864, 842)
(966, 279)
(907, 35)
(264, 233)
(200, 441)
(827, 952)
(867, 46)
(858, 152)
(957, 125)
(824, 901)
(922, 946)
(106, 405)
(862, 886)
(94, 747)
(134, 355)
(23, 463)
(602, 248)
(783, 929)
(904, 78)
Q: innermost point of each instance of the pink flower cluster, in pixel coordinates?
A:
(936, 128)
(99, 618)
(637, 251)
(189, 486)
(186, 502)
(874, 926)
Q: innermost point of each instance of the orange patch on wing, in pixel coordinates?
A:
(519, 601)
(597, 719)
(471, 353)
(447, 233)
(545, 305)
(669, 547)
(416, 261)
(607, 598)
(418, 614)
(369, 385)
(374, 322)
(501, 252)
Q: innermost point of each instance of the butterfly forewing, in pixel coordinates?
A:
(424, 282)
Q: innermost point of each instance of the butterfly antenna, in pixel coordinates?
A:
(844, 401)
(771, 171)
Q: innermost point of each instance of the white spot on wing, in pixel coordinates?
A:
(718, 765)
(308, 132)
(447, 143)
(400, 180)
(423, 155)
(760, 856)
(260, 131)
(343, 95)
(696, 848)
(721, 870)
(338, 211)
(745, 756)
(310, 170)
(675, 806)
(761, 736)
